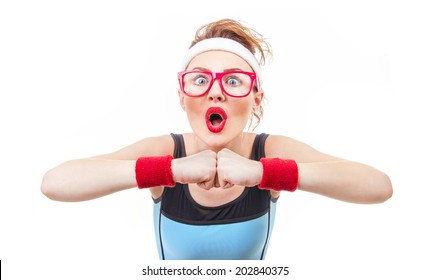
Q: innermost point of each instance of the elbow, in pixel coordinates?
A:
(50, 187)
(383, 189)
(47, 187)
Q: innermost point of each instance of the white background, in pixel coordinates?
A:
(81, 78)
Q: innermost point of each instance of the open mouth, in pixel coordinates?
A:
(216, 118)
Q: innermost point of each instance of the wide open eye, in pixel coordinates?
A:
(234, 82)
(196, 83)
(200, 79)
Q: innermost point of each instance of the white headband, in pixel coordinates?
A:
(223, 44)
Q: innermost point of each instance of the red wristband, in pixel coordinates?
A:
(154, 172)
(279, 174)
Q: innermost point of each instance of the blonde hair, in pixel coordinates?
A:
(249, 38)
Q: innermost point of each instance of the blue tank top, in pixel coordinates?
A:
(238, 230)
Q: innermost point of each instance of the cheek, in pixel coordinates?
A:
(241, 108)
(193, 107)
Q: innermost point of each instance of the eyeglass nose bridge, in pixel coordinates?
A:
(217, 76)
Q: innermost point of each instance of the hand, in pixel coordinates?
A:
(199, 168)
(233, 169)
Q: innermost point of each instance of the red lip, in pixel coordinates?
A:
(216, 118)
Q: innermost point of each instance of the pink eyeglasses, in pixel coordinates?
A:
(234, 83)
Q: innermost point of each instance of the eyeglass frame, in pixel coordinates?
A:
(217, 76)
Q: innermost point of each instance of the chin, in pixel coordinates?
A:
(220, 140)
(215, 141)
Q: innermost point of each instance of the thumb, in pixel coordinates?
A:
(216, 181)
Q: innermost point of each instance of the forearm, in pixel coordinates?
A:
(345, 180)
(85, 179)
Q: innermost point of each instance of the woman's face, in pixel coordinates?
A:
(217, 118)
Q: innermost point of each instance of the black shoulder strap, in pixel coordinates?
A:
(179, 145)
(258, 150)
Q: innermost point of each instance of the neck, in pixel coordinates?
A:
(238, 145)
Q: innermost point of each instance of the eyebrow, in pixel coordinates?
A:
(225, 70)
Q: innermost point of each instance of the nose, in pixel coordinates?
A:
(216, 93)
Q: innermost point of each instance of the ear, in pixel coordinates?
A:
(258, 98)
(181, 96)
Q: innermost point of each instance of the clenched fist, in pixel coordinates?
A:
(233, 169)
(199, 168)
(223, 169)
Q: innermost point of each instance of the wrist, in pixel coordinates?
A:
(279, 174)
(154, 171)
(175, 167)
(259, 173)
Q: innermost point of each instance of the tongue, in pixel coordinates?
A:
(215, 120)
(216, 123)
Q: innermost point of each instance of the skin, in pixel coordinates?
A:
(217, 167)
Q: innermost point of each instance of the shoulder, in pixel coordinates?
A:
(150, 146)
(287, 147)
(281, 146)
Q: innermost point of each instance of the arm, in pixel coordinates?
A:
(330, 176)
(89, 178)
(317, 172)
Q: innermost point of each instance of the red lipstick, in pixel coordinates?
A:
(216, 118)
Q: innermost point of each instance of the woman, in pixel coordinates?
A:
(215, 189)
